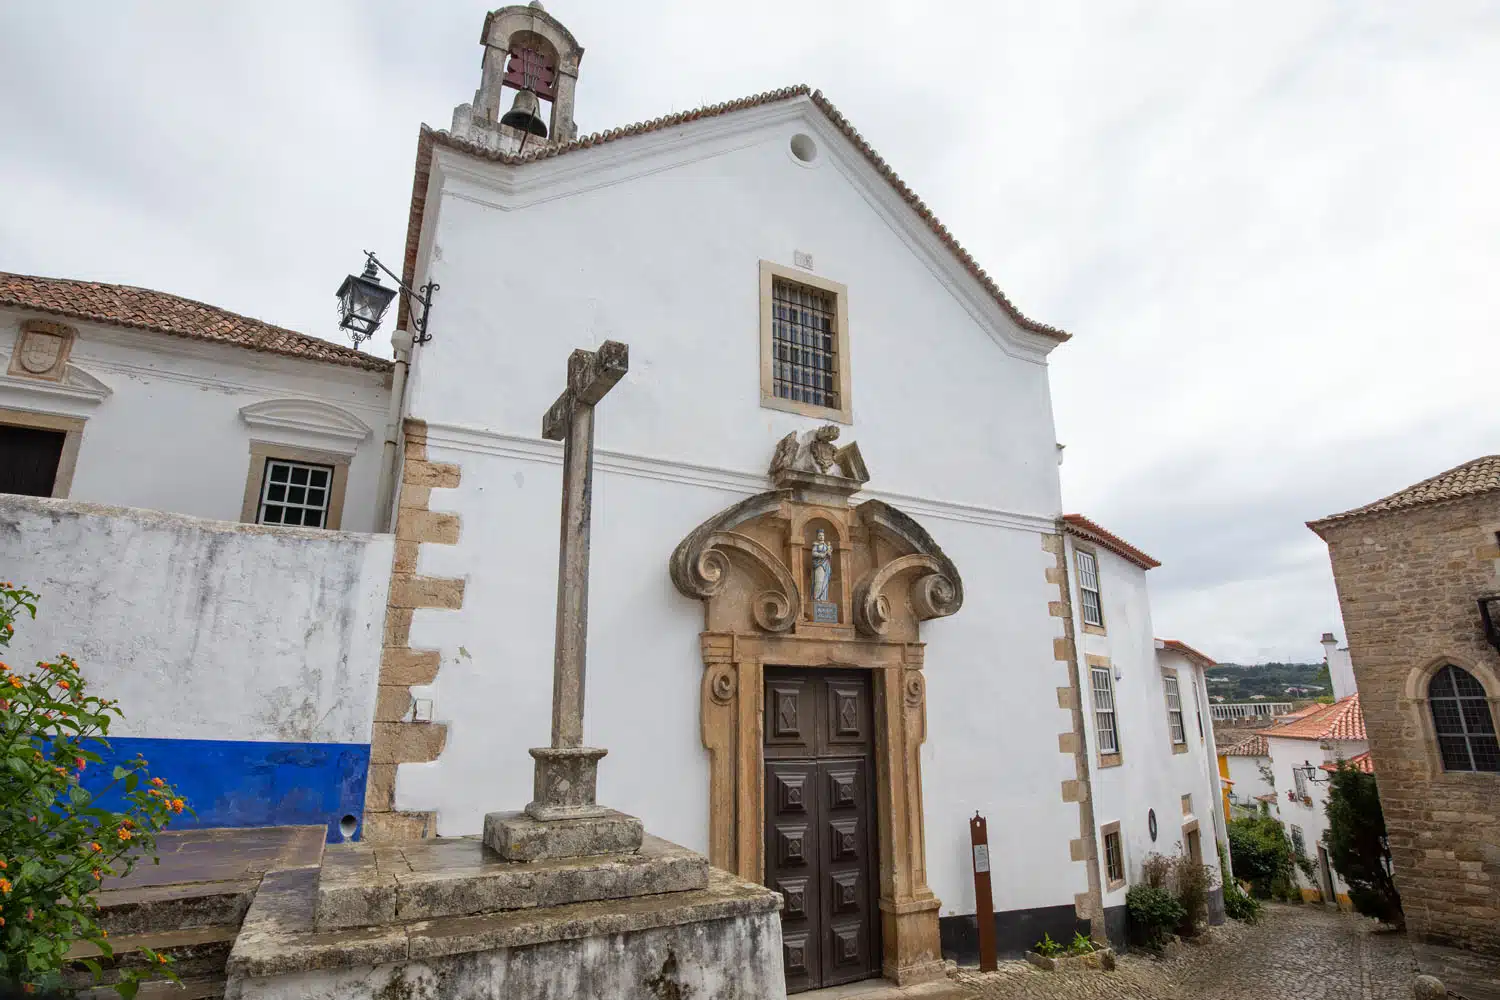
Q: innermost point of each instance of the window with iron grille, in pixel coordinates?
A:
(1088, 587)
(804, 344)
(1174, 708)
(1461, 717)
(1104, 709)
(295, 493)
(1299, 842)
(1114, 857)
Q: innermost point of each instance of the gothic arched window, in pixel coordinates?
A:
(1461, 716)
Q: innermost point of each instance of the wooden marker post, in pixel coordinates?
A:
(984, 904)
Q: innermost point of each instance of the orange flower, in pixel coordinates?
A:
(64, 685)
(161, 959)
(157, 782)
(98, 875)
(177, 805)
(3, 865)
(95, 846)
(3, 667)
(15, 681)
(5, 886)
(80, 763)
(124, 834)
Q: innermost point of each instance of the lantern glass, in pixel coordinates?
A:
(363, 301)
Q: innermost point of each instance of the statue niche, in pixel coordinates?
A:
(800, 576)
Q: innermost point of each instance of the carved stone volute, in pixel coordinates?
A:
(701, 563)
(934, 586)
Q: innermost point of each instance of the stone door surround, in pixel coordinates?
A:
(750, 564)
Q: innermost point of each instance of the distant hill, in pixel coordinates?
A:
(1242, 682)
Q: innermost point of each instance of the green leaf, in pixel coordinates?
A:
(119, 772)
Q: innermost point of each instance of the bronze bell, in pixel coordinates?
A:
(523, 114)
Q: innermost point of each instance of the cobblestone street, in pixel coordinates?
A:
(1293, 953)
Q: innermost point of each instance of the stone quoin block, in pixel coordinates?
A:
(400, 665)
(415, 525)
(443, 475)
(426, 592)
(407, 742)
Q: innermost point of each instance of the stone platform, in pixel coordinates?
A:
(427, 879)
(498, 936)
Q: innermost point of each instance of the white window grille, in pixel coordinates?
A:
(1104, 709)
(1114, 857)
(1174, 708)
(1088, 588)
(295, 493)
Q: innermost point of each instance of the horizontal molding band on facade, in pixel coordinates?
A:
(475, 440)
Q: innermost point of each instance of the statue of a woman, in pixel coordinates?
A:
(822, 567)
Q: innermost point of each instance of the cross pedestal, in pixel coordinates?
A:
(563, 819)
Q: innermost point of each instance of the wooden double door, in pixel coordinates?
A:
(821, 848)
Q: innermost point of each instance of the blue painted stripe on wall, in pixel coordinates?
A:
(248, 783)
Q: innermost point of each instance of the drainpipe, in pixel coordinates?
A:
(401, 343)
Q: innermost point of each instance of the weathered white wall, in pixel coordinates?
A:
(1150, 776)
(1248, 781)
(1312, 817)
(204, 629)
(656, 242)
(169, 435)
(1340, 670)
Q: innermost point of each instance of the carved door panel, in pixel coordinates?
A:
(820, 824)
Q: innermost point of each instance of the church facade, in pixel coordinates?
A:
(781, 291)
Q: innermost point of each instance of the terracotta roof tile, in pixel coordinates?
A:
(428, 137)
(1188, 651)
(1077, 524)
(1482, 475)
(1362, 762)
(144, 309)
(1342, 720)
(1253, 745)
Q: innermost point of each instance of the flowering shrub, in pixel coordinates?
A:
(56, 846)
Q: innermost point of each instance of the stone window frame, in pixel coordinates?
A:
(1115, 757)
(1170, 673)
(1097, 591)
(1419, 711)
(844, 413)
(262, 451)
(67, 460)
(1107, 831)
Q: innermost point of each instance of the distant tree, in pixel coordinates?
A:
(1357, 844)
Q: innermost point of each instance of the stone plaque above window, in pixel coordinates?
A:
(804, 343)
(42, 350)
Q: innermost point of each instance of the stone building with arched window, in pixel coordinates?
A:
(1415, 572)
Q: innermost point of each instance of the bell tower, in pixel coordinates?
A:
(526, 88)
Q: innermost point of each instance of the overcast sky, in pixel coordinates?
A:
(1273, 228)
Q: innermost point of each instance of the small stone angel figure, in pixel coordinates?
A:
(822, 566)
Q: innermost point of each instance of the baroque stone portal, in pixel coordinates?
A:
(753, 565)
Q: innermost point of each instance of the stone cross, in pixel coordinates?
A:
(571, 421)
(563, 820)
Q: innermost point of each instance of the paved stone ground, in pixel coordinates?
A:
(1293, 953)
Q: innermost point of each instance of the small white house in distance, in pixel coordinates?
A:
(1245, 763)
(1150, 746)
(1302, 753)
(192, 493)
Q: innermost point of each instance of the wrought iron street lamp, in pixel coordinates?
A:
(363, 301)
(1309, 772)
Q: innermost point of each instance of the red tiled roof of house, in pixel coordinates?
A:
(1361, 762)
(1077, 524)
(1268, 797)
(428, 137)
(1482, 475)
(1253, 745)
(1342, 720)
(160, 312)
(1188, 651)
(1300, 713)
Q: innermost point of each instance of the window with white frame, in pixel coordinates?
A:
(1104, 709)
(1088, 589)
(1174, 708)
(1114, 856)
(295, 493)
(1299, 779)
